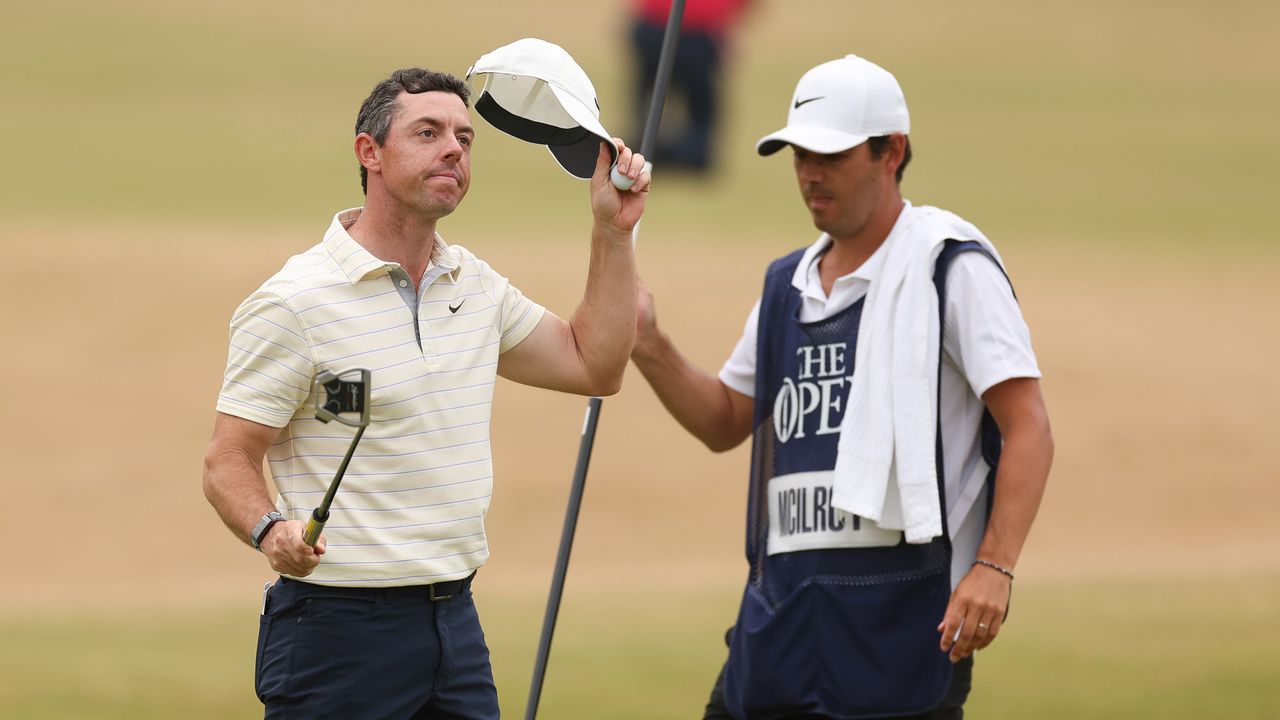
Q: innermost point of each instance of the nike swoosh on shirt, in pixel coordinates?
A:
(454, 308)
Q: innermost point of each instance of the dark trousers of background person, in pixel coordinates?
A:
(695, 78)
(351, 653)
(951, 708)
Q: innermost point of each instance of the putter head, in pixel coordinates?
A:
(336, 396)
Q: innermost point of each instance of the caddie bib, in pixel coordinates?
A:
(839, 616)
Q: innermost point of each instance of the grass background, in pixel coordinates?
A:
(162, 159)
(1100, 650)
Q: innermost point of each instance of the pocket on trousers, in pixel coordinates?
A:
(270, 667)
(337, 609)
(264, 629)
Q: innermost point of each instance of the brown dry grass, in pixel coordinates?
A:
(1159, 378)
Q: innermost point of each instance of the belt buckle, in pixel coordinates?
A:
(434, 596)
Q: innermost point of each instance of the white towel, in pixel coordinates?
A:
(886, 467)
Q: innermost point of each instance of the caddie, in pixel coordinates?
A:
(900, 443)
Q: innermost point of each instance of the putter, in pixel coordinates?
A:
(335, 396)
(662, 80)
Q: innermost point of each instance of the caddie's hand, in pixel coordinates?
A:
(286, 551)
(646, 319)
(619, 210)
(977, 609)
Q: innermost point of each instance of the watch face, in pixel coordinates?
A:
(263, 525)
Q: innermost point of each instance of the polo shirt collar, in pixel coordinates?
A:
(357, 263)
(806, 273)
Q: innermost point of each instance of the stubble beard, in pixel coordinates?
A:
(428, 204)
(848, 224)
(855, 219)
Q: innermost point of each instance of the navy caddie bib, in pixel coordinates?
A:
(839, 616)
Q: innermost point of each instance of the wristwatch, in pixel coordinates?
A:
(264, 525)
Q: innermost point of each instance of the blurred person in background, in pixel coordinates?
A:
(900, 443)
(697, 76)
(377, 619)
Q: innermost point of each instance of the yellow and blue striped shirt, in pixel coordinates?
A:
(412, 503)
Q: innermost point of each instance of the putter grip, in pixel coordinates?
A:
(315, 526)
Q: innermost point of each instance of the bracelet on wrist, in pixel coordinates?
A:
(995, 566)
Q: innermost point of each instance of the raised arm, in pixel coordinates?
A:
(712, 412)
(588, 353)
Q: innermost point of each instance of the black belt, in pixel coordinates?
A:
(434, 592)
(445, 590)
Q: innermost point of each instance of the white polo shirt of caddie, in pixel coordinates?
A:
(985, 342)
(412, 503)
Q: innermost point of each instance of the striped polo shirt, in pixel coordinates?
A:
(411, 507)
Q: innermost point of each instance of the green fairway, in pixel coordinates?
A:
(1156, 649)
(1110, 122)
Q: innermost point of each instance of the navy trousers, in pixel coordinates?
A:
(355, 653)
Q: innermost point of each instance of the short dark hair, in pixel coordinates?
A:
(380, 108)
(878, 146)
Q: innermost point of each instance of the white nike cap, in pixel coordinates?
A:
(533, 90)
(838, 105)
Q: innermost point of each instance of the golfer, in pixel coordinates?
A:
(377, 619)
(900, 442)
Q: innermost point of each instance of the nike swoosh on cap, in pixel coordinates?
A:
(800, 102)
